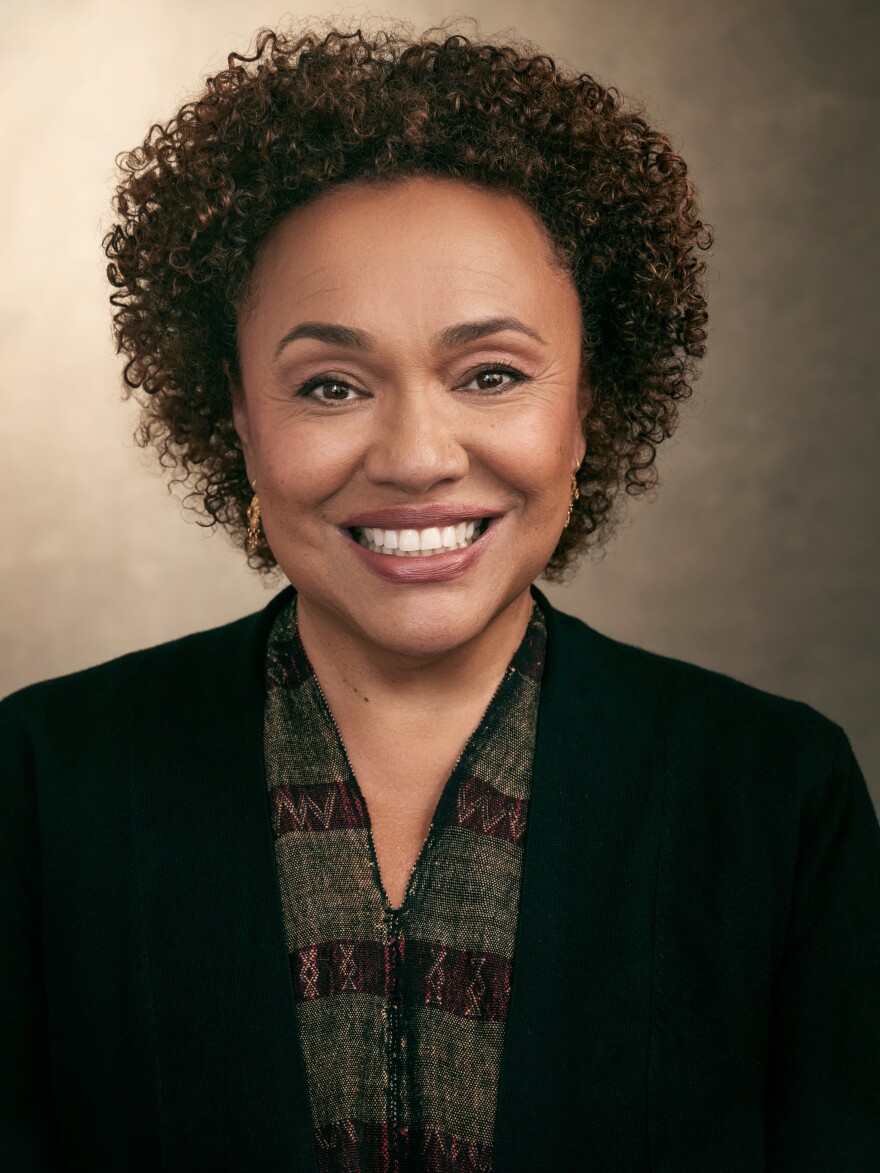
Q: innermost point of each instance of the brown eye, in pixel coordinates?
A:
(332, 390)
(503, 378)
(337, 390)
(497, 375)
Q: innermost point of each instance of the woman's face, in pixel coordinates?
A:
(410, 366)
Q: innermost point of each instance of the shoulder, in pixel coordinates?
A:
(705, 714)
(131, 682)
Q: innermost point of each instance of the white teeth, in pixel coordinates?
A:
(413, 543)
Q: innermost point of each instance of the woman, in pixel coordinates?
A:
(410, 870)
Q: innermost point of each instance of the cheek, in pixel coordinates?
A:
(531, 451)
(303, 464)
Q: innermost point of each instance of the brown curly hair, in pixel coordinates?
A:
(303, 111)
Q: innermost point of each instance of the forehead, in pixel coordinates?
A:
(421, 243)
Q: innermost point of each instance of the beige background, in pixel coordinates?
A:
(759, 557)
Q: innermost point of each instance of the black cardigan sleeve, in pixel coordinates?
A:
(823, 1088)
(27, 1143)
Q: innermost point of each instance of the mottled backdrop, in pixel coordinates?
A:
(760, 555)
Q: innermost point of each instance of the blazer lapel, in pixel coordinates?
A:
(229, 1064)
(574, 1076)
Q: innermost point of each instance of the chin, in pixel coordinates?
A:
(428, 624)
(418, 620)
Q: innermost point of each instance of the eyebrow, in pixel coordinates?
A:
(447, 339)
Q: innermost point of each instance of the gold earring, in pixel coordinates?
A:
(253, 531)
(575, 493)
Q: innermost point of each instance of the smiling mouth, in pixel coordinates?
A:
(420, 543)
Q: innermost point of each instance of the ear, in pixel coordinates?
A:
(239, 415)
(579, 440)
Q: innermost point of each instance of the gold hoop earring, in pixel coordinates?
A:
(253, 531)
(575, 493)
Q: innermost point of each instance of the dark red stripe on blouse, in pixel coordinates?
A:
(407, 972)
(465, 983)
(320, 807)
(480, 807)
(332, 805)
(345, 1145)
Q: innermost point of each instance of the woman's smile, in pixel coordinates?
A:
(412, 556)
(420, 531)
(419, 543)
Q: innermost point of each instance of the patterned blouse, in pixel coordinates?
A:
(401, 1011)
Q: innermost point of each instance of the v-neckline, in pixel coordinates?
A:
(448, 794)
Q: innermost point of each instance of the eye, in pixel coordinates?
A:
(514, 377)
(335, 390)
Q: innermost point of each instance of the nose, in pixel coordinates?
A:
(414, 442)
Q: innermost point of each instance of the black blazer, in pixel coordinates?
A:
(696, 983)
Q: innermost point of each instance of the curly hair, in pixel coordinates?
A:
(302, 112)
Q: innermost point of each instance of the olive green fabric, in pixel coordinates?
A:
(402, 1011)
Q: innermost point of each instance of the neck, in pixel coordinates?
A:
(353, 669)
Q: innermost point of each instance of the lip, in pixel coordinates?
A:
(419, 516)
(429, 567)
